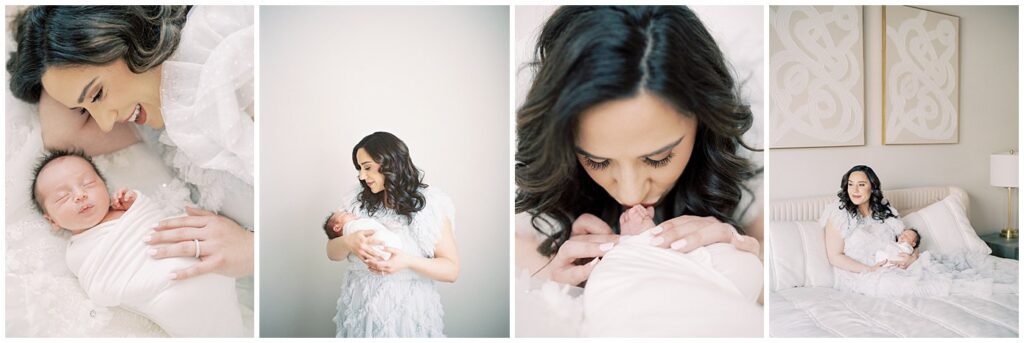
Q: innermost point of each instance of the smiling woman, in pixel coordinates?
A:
(109, 93)
(179, 78)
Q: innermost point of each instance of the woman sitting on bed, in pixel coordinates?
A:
(858, 225)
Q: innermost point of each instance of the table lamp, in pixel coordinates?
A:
(1003, 173)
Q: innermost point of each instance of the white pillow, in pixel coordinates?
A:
(945, 229)
(797, 255)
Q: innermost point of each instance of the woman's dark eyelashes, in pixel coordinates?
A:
(659, 163)
(98, 95)
(647, 160)
(594, 164)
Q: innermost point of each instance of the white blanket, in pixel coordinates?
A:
(113, 266)
(825, 312)
(639, 290)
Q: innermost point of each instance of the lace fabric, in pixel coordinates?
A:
(207, 100)
(404, 304)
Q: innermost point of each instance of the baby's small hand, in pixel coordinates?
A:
(123, 199)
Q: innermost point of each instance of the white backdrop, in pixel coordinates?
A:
(436, 77)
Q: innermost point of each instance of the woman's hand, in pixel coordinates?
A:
(878, 265)
(590, 238)
(361, 244)
(687, 233)
(908, 259)
(399, 260)
(224, 247)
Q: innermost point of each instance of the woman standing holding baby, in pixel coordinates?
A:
(394, 296)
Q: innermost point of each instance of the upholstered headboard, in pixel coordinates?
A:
(906, 201)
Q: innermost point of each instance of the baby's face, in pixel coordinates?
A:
(340, 218)
(908, 237)
(72, 194)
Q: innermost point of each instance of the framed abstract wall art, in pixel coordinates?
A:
(817, 76)
(920, 76)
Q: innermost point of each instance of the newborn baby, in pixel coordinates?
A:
(906, 243)
(341, 223)
(113, 264)
(642, 290)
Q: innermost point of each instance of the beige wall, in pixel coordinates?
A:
(988, 123)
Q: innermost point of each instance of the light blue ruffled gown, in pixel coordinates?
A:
(404, 304)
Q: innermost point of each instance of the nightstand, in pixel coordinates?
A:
(1002, 247)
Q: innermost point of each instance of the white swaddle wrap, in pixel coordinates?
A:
(113, 266)
(891, 252)
(641, 290)
(380, 232)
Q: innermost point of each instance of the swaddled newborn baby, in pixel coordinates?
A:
(341, 223)
(906, 243)
(107, 253)
(642, 290)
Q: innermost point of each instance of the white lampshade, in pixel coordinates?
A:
(1003, 170)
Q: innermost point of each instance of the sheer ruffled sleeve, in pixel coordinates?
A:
(894, 224)
(429, 222)
(839, 217)
(207, 91)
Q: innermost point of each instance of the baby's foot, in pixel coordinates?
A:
(636, 220)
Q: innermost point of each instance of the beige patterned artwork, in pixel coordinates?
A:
(920, 84)
(816, 75)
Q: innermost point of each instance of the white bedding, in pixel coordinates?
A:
(825, 312)
(980, 300)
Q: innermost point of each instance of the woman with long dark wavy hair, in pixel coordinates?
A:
(181, 77)
(395, 297)
(630, 105)
(860, 217)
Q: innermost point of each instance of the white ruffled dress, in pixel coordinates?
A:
(404, 304)
(206, 94)
(862, 238)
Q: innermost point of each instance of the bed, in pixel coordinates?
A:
(802, 302)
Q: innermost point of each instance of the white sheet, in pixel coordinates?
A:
(825, 312)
